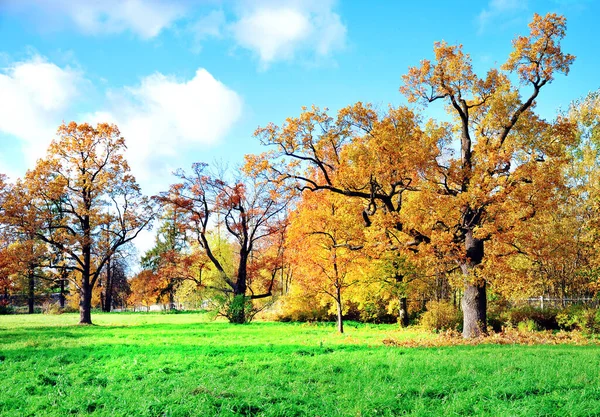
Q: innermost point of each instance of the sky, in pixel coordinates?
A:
(190, 80)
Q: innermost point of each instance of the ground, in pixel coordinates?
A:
(148, 364)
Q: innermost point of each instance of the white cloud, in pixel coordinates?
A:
(499, 8)
(279, 30)
(163, 120)
(35, 95)
(146, 18)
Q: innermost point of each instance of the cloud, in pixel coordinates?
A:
(277, 31)
(210, 25)
(145, 18)
(164, 119)
(35, 96)
(497, 9)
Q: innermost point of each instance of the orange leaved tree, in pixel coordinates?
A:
(325, 241)
(510, 158)
(82, 201)
(429, 201)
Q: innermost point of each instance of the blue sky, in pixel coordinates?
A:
(190, 80)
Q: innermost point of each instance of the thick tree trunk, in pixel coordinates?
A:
(403, 312)
(31, 292)
(237, 309)
(338, 301)
(474, 306)
(474, 301)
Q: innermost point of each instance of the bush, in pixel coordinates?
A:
(6, 309)
(309, 315)
(581, 318)
(528, 326)
(441, 315)
(376, 311)
(51, 308)
(534, 318)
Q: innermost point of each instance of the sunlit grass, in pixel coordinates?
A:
(187, 365)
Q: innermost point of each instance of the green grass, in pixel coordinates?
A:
(184, 365)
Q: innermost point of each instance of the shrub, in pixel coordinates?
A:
(528, 326)
(51, 308)
(581, 318)
(440, 315)
(308, 315)
(376, 311)
(6, 309)
(534, 318)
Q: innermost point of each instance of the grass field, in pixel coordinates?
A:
(185, 365)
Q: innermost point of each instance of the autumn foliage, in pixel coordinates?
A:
(367, 213)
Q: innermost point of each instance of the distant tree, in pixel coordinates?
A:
(113, 287)
(250, 211)
(145, 289)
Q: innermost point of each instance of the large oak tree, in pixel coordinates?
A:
(82, 201)
(428, 201)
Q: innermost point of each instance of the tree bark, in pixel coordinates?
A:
(85, 299)
(237, 313)
(403, 312)
(338, 300)
(61, 296)
(85, 304)
(237, 309)
(108, 289)
(31, 292)
(474, 301)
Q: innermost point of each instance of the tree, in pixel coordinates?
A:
(82, 201)
(326, 242)
(428, 201)
(145, 289)
(112, 287)
(29, 257)
(168, 258)
(250, 210)
(503, 146)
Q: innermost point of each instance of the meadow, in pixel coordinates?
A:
(187, 365)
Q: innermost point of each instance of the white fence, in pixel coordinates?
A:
(548, 302)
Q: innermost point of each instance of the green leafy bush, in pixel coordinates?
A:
(581, 318)
(528, 325)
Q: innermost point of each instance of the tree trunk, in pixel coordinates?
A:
(61, 296)
(85, 304)
(474, 301)
(340, 319)
(108, 289)
(403, 312)
(85, 299)
(474, 306)
(237, 309)
(31, 292)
